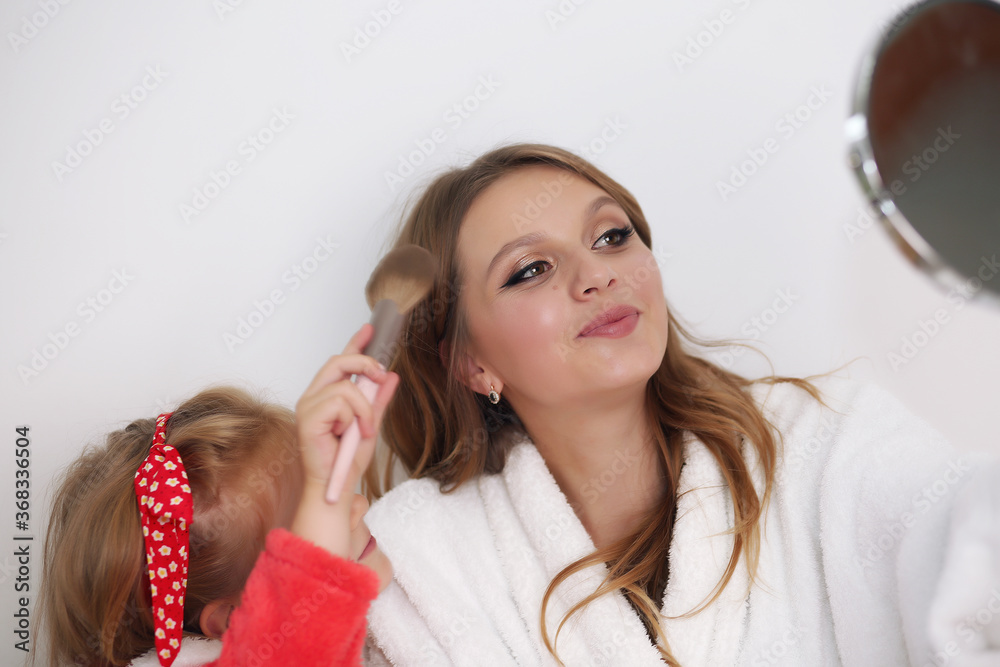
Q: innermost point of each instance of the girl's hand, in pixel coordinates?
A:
(330, 404)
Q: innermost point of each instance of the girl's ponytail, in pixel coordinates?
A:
(93, 567)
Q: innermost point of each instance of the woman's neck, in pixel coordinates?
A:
(605, 460)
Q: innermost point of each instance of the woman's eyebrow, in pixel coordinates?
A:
(521, 241)
(535, 237)
(596, 205)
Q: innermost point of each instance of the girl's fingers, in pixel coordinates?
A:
(315, 409)
(341, 367)
(354, 346)
(385, 393)
(337, 414)
(360, 338)
(332, 403)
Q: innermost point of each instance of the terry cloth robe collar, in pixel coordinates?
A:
(699, 553)
(520, 521)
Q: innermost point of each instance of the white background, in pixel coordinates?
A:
(561, 74)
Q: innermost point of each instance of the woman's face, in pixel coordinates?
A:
(564, 303)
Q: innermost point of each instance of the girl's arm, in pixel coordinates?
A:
(301, 606)
(305, 601)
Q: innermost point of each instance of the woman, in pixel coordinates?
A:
(589, 491)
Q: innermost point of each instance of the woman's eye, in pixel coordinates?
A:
(615, 237)
(530, 271)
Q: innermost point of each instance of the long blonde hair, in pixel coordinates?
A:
(439, 428)
(239, 453)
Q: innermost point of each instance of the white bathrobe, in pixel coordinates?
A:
(881, 547)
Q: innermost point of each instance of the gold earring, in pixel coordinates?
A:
(494, 396)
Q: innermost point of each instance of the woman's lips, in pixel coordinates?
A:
(370, 547)
(616, 322)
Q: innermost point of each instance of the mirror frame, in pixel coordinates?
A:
(862, 162)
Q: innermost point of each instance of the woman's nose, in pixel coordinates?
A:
(593, 276)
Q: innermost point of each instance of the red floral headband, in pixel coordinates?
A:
(166, 509)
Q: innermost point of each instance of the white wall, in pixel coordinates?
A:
(674, 132)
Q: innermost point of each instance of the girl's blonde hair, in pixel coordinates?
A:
(440, 428)
(240, 456)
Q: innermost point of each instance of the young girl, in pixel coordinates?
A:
(211, 522)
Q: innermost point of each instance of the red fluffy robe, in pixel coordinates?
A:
(301, 606)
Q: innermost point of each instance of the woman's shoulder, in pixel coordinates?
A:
(788, 398)
(847, 404)
(862, 428)
(420, 501)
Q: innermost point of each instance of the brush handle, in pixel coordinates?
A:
(388, 323)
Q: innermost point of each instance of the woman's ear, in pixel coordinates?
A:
(471, 374)
(214, 618)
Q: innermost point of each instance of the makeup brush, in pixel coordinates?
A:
(399, 282)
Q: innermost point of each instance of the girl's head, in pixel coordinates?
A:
(245, 475)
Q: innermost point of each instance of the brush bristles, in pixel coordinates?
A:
(405, 276)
